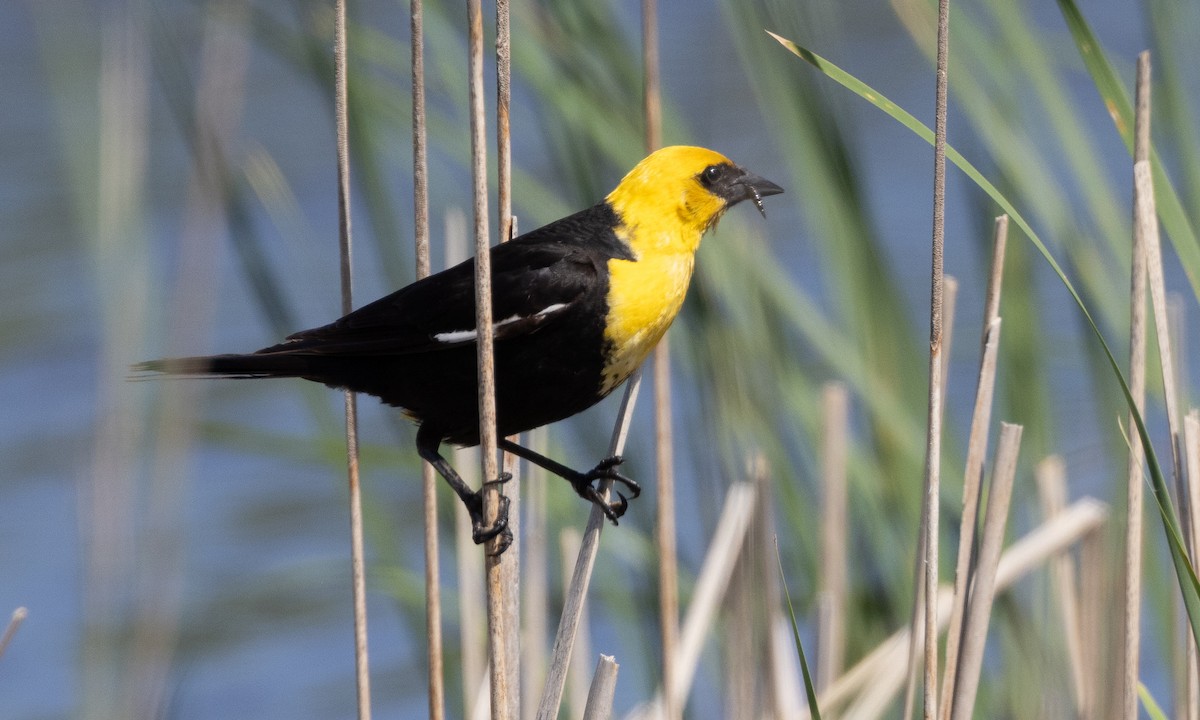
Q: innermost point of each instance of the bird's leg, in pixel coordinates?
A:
(582, 481)
(428, 442)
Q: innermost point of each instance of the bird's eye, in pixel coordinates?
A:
(710, 175)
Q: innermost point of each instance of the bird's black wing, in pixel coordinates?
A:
(536, 278)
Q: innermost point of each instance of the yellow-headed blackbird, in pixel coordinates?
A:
(579, 304)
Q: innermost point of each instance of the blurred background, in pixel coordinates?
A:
(168, 187)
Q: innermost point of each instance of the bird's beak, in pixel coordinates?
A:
(756, 188)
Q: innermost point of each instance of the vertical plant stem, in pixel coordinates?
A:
(1137, 388)
(10, 631)
(979, 607)
(831, 631)
(604, 687)
(711, 584)
(472, 602)
(976, 454)
(873, 680)
(933, 450)
(1052, 490)
(535, 602)
(492, 499)
(1093, 613)
(577, 685)
(664, 457)
(564, 637)
(433, 590)
(341, 94)
(508, 572)
(1191, 444)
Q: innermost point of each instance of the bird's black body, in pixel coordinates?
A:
(548, 366)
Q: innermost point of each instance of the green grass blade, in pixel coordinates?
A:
(1185, 573)
(809, 689)
(1175, 221)
(1152, 708)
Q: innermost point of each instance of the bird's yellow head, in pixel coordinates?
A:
(677, 193)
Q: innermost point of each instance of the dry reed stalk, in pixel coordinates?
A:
(14, 624)
(503, 689)
(949, 306)
(883, 669)
(1191, 444)
(472, 603)
(358, 574)
(604, 687)
(651, 86)
(738, 649)
(917, 617)
(433, 592)
(1146, 224)
(664, 526)
(724, 550)
(581, 576)
(479, 698)
(933, 450)
(508, 576)
(983, 587)
(981, 420)
(710, 586)
(916, 624)
(1137, 387)
(535, 588)
(1051, 477)
(569, 541)
(831, 633)
(785, 694)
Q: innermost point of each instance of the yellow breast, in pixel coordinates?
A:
(644, 298)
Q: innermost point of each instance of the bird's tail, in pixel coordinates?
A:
(255, 365)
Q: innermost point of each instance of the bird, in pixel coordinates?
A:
(578, 304)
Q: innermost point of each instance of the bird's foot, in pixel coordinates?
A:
(606, 470)
(481, 531)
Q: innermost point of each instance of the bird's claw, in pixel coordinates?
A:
(481, 532)
(606, 470)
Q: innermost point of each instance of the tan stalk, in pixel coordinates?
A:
(1051, 478)
(831, 633)
(738, 649)
(603, 688)
(785, 694)
(433, 590)
(1137, 387)
(981, 420)
(664, 526)
(983, 584)
(358, 573)
(1191, 444)
(1146, 224)
(933, 449)
(581, 576)
(14, 624)
(577, 679)
(502, 690)
(880, 673)
(535, 588)
(472, 603)
(710, 587)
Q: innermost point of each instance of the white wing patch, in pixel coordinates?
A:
(460, 336)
